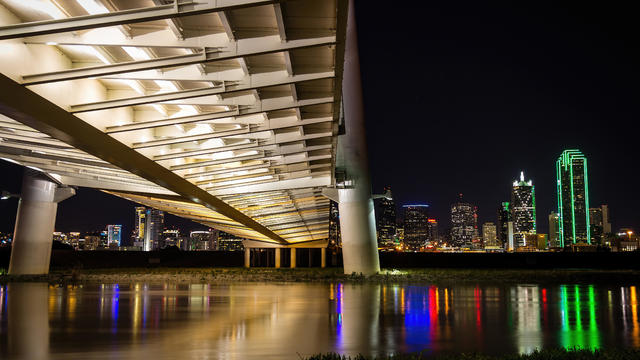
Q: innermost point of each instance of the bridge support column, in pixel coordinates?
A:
(293, 258)
(247, 257)
(35, 222)
(357, 221)
(277, 265)
(323, 257)
(357, 225)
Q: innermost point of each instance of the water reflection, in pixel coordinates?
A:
(238, 321)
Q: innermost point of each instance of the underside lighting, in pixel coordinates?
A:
(51, 43)
(93, 7)
(44, 7)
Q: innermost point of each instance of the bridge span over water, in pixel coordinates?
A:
(243, 115)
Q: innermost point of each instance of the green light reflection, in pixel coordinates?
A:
(576, 336)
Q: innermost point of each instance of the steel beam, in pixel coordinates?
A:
(244, 146)
(260, 155)
(156, 39)
(243, 131)
(253, 82)
(263, 106)
(238, 49)
(186, 8)
(31, 109)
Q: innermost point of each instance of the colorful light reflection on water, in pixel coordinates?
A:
(193, 321)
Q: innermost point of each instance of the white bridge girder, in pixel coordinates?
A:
(233, 115)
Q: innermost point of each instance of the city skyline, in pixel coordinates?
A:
(487, 88)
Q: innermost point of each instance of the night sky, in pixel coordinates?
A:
(460, 97)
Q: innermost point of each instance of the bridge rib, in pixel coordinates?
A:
(176, 9)
(237, 49)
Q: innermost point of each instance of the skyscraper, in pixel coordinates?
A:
(114, 235)
(149, 226)
(416, 226)
(523, 210)
(573, 198)
(334, 225)
(554, 239)
(490, 235)
(153, 228)
(464, 223)
(386, 219)
(433, 236)
(596, 223)
(504, 216)
(138, 232)
(606, 221)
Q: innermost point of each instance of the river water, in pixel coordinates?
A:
(290, 320)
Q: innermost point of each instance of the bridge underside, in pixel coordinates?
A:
(223, 112)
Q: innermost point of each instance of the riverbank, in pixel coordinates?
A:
(330, 275)
(547, 354)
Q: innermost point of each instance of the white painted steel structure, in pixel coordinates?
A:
(225, 112)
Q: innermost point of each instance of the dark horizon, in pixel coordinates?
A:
(461, 98)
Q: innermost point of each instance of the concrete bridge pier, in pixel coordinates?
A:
(357, 219)
(35, 221)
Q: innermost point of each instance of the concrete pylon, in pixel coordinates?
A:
(357, 220)
(35, 222)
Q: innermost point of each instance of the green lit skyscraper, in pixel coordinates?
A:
(573, 198)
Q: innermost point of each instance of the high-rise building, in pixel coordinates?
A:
(554, 239)
(523, 210)
(114, 235)
(153, 229)
(606, 221)
(504, 216)
(229, 242)
(490, 235)
(386, 219)
(596, 223)
(138, 232)
(334, 225)
(171, 237)
(203, 240)
(148, 228)
(573, 198)
(433, 236)
(464, 224)
(416, 226)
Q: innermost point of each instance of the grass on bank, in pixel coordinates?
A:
(389, 276)
(547, 354)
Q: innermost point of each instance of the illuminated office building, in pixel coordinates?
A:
(432, 236)
(138, 232)
(114, 235)
(523, 210)
(464, 224)
(606, 221)
(573, 198)
(490, 235)
(148, 228)
(416, 226)
(596, 223)
(554, 237)
(153, 229)
(229, 242)
(334, 225)
(502, 228)
(386, 219)
(203, 240)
